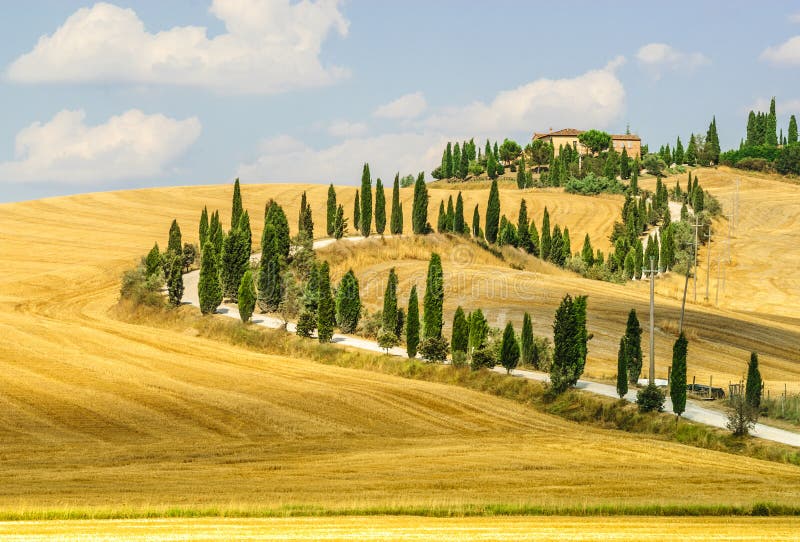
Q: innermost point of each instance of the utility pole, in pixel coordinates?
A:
(685, 289)
(719, 268)
(652, 271)
(708, 266)
(696, 227)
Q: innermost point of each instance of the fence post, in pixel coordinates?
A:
(710, 383)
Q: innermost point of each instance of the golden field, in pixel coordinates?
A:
(101, 413)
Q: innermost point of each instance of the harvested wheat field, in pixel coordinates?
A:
(96, 412)
(412, 528)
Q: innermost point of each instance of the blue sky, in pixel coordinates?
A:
(134, 94)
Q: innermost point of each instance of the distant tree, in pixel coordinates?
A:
(380, 208)
(522, 178)
(476, 222)
(387, 339)
(175, 279)
(712, 148)
(527, 344)
(557, 246)
(691, 151)
(569, 337)
(459, 226)
(622, 368)
(340, 225)
(209, 289)
(235, 261)
(566, 245)
(654, 164)
(635, 178)
(546, 240)
(492, 167)
(451, 214)
(348, 303)
(678, 156)
(305, 222)
(246, 235)
(419, 211)
(447, 162)
(533, 234)
(277, 218)
(396, 226)
(460, 338)
(366, 202)
(587, 252)
(792, 136)
(236, 205)
(456, 160)
(434, 298)
(441, 222)
(247, 296)
(772, 126)
(357, 213)
(390, 302)
(330, 215)
(203, 226)
(595, 141)
(677, 384)
(175, 244)
(633, 342)
(493, 213)
(412, 323)
(291, 299)
(509, 349)
(154, 261)
(523, 228)
(463, 166)
(215, 235)
(306, 323)
(742, 416)
(754, 382)
(509, 151)
(189, 256)
(269, 271)
(326, 312)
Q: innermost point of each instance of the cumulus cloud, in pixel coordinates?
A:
(127, 146)
(409, 106)
(785, 54)
(658, 58)
(288, 159)
(594, 99)
(270, 46)
(343, 128)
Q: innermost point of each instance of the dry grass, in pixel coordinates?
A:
(101, 413)
(414, 528)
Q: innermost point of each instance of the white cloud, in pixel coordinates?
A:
(790, 106)
(270, 46)
(794, 17)
(658, 58)
(786, 54)
(345, 128)
(409, 106)
(593, 99)
(127, 146)
(287, 159)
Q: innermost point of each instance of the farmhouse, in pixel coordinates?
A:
(569, 136)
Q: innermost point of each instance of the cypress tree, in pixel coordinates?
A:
(175, 279)
(451, 214)
(269, 271)
(712, 142)
(460, 339)
(448, 162)
(546, 240)
(754, 384)
(234, 263)
(456, 160)
(792, 136)
(348, 303)
(463, 168)
(215, 232)
(523, 230)
(493, 213)
(357, 213)
(330, 224)
(677, 384)
(390, 302)
(635, 178)
(633, 342)
(434, 299)
(678, 155)
(526, 341)
(509, 349)
(441, 222)
(247, 236)
(175, 244)
(567, 244)
(208, 288)
(691, 151)
(624, 164)
(587, 252)
(622, 368)
(366, 202)
(566, 347)
(236, 205)
(772, 125)
(247, 296)
(153, 261)
(491, 167)
(419, 210)
(396, 226)
(380, 208)
(557, 246)
(534, 239)
(326, 311)
(522, 179)
(203, 227)
(412, 323)
(476, 222)
(280, 223)
(340, 225)
(305, 222)
(459, 226)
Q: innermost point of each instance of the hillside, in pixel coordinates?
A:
(98, 412)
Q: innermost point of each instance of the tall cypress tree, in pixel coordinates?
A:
(203, 227)
(526, 341)
(456, 160)
(280, 223)
(566, 348)
(622, 368)
(754, 382)
(493, 213)
(460, 338)
(451, 214)
(175, 244)
(434, 299)
(247, 236)
(390, 302)
(544, 251)
(677, 384)
(419, 210)
(534, 239)
(412, 323)
(357, 213)
(326, 311)
(216, 235)
(476, 222)
(441, 222)
(380, 208)
(301, 216)
(209, 289)
(330, 224)
(459, 226)
(509, 349)
(234, 263)
(236, 205)
(247, 296)
(175, 279)
(348, 303)
(633, 342)
(587, 252)
(396, 226)
(691, 151)
(463, 167)
(269, 270)
(340, 225)
(557, 246)
(366, 202)
(792, 135)
(448, 162)
(523, 230)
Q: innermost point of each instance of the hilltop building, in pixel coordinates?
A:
(632, 143)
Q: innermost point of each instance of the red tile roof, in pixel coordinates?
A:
(572, 132)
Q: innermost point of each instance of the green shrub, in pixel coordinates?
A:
(650, 398)
(591, 185)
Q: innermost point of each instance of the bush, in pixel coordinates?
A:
(742, 416)
(788, 160)
(371, 324)
(591, 185)
(459, 359)
(753, 164)
(387, 340)
(306, 324)
(434, 349)
(650, 398)
(484, 357)
(760, 509)
(141, 288)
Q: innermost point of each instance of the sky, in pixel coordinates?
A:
(130, 94)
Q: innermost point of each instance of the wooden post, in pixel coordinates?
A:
(710, 383)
